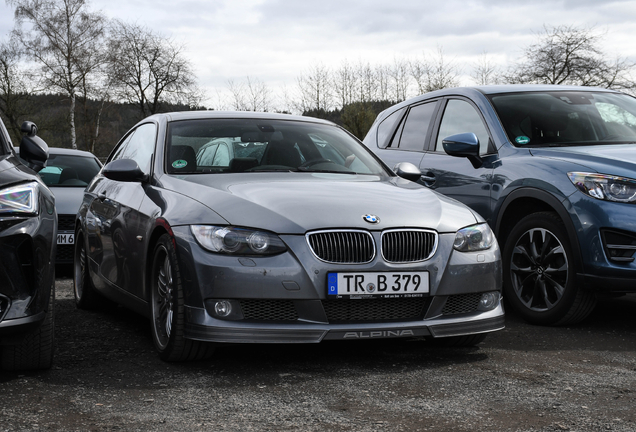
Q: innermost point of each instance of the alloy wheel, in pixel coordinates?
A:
(539, 269)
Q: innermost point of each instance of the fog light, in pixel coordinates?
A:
(488, 301)
(223, 308)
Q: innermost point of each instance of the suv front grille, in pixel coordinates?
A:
(342, 247)
(461, 303)
(402, 246)
(401, 309)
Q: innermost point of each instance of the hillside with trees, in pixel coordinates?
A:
(85, 80)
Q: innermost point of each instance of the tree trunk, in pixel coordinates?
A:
(72, 121)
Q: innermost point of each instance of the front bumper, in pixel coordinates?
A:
(601, 271)
(295, 284)
(27, 248)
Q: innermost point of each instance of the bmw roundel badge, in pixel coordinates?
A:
(373, 219)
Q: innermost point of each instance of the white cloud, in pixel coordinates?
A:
(276, 40)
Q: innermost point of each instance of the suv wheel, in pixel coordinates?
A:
(539, 277)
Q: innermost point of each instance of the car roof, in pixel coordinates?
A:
(64, 151)
(196, 115)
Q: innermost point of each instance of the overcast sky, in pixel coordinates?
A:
(276, 40)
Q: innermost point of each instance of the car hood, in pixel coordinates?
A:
(67, 199)
(292, 203)
(615, 159)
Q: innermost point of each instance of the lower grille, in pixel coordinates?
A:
(64, 254)
(403, 309)
(268, 310)
(461, 303)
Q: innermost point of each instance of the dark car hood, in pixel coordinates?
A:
(295, 203)
(13, 171)
(67, 199)
(615, 159)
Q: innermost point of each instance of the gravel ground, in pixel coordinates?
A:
(106, 377)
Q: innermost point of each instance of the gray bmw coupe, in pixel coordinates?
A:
(263, 228)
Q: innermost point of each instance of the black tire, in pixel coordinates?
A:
(35, 351)
(539, 274)
(167, 308)
(86, 297)
(459, 341)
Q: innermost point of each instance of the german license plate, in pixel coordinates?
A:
(377, 284)
(66, 238)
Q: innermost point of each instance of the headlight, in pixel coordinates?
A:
(474, 238)
(605, 187)
(238, 241)
(20, 199)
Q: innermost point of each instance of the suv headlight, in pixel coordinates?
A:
(21, 199)
(474, 238)
(237, 241)
(605, 187)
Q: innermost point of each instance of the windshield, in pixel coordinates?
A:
(253, 145)
(69, 170)
(563, 118)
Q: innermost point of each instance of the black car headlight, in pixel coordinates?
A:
(474, 238)
(605, 187)
(237, 241)
(22, 199)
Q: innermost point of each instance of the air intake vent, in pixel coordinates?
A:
(269, 310)
(403, 246)
(342, 247)
(619, 246)
(461, 303)
(402, 309)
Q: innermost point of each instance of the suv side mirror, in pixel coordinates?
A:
(33, 150)
(124, 170)
(463, 145)
(407, 171)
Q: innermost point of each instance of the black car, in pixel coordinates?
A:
(553, 171)
(28, 228)
(67, 173)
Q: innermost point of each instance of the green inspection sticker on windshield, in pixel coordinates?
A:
(179, 163)
(522, 139)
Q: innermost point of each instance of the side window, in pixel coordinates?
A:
(120, 150)
(416, 127)
(386, 128)
(141, 146)
(461, 117)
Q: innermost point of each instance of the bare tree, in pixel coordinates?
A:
(398, 73)
(485, 72)
(251, 95)
(435, 73)
(367, 83)
(570, 55)
(315, 87)
(65, 39)
(149, 70)
(14, 88)
(345, 81)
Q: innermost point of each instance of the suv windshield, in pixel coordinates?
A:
(253, 145)
(563, 118)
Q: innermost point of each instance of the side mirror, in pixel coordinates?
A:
(463, 145)
(407, 171)
(124, 170)
(33, 150)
